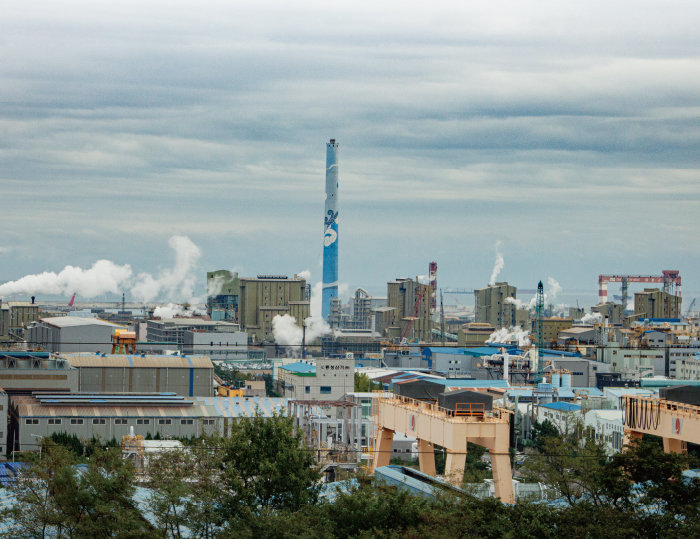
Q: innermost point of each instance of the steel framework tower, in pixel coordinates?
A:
(539, 318)
(330, 230)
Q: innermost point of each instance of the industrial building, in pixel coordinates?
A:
(24, 372)
(172, 330)
(552, 326)
(491, 307)
(474, 334)
(15, 316)
(223, 290)
(266, 296)
(68, 334)
(218, 345)
(106, 416)
(4, 414)
(408, 314)
(363, 308)
(325, 379)
(655, 303)
(612, 311)
(191, 376)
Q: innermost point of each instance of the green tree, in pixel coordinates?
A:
(264, 463)
(36, 512)
(56, 499)
(542, 431)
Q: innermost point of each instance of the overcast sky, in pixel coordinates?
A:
(568, 131)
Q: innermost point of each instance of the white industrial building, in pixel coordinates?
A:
(71, 334)
(322, 379)
(218, 345)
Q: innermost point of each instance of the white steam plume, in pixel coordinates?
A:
(177, 281)
(171, 310)
(286, 332)
(498, 265)
(304, 274)
(107, 277)
(592, 318)
(554, 288)
(506, 335)
(103, 277)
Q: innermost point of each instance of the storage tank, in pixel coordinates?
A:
(556, 379)
(566, 380)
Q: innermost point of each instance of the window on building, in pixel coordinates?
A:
(307, 389)
(209, 421)
(325, 389)
(54, 421)
(120, 421)
(76, 421)
(31, 421)
(164, 421)
(100, 421)
(187, 421)
(143, 421)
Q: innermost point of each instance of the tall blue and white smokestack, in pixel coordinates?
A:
(330, 235)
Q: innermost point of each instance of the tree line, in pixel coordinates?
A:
(261, 481)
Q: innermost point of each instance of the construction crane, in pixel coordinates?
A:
(690, 308)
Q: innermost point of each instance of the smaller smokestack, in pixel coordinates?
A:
(33, 298)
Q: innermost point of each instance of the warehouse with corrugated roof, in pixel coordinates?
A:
(191, 376)
(107, 416)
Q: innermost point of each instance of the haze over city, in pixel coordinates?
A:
(569, 135)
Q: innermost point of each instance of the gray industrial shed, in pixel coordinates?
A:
(450, 399)
(72, 334)
(419, 389)
(191, 376)
(107, 416)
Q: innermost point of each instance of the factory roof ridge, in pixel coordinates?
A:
(75, 321)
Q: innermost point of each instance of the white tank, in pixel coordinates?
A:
(566, 380)
(556, 379)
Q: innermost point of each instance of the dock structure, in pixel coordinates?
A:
(433, 425)
(676, 423)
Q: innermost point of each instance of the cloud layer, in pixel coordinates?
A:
(568, 132)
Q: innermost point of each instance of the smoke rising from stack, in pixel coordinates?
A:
(107, 277)
(286, 332)
(498, 264)
(592, 318)
(507, 335)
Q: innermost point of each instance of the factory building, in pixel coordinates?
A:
(24, 372)
(223, 290)
(655, 303)
(15, 316)
(68, 334)
(4, 414)
(106, 416)
(409, 310)
(552, 326)
(363, 308)
(325, 379)
(219, 346)
(612, 311)
(264, 297)
(192, 376)
(172, 330)
(491, 307)
(474, 334)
